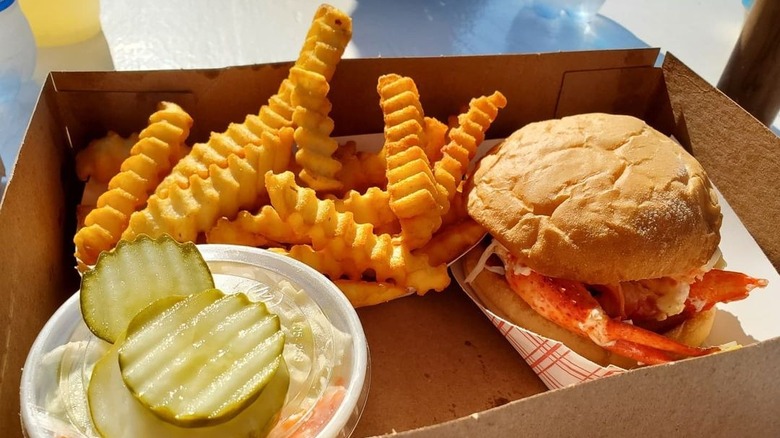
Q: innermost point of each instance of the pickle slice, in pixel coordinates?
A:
(116, 413)
(202, 360)
(135, 274)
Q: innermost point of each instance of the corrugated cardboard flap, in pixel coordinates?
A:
(741, 155)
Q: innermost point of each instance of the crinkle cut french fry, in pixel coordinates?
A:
(310, 81)
(371, 207)
(157, 149)
(451, 241)
(435, 138)
(315, 150)
(389, 262)
(457, 211)
(266, 226)
(218, 177)
(410, 185)
(321, 51)
(401, 108)
(326, 39)
(414, 196)
(263, 229)
(225, 175)
(360, 170)
(295, 216)
(370, 293)
(464, 140)
(318, 219)
(185, 213)
(240, 139)
(329, 266)
(312, 135)
(103, 157)
(277, 114)
(355, 248)
(246, 230)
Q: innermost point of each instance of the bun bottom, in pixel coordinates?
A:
(498, 297)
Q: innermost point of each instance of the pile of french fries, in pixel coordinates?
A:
(380, 225)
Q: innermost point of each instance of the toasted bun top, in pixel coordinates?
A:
(597, 198)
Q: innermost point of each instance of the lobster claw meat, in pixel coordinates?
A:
(571, 305)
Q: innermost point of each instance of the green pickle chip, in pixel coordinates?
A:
(135, 274)
(188, 360)
(201, 360)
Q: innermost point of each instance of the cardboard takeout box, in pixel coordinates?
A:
(439, 368)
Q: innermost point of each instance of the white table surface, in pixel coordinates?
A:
(172, 34)
(701, 33)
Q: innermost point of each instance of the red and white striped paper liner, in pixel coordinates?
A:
(556, 364)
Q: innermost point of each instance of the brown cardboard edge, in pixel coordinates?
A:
(691, 395)
(442, 95)
(741, 155)
(30, 241)
(627, 90)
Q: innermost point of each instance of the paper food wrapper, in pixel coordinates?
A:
(745, 322)
(556, 365)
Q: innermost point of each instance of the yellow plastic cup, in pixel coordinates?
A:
(62, 22)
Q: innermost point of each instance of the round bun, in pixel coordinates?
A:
(597, 198)
(495, 293)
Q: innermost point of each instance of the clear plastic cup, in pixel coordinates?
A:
(62, 22)
(326, 350)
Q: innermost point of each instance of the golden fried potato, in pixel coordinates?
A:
(225, 175)
(329, 35)
(360, 170)
(435, 138)
(389, 262)
(295, 210)
(339, 246)
(371, 207)
(464, 139)
(248, 230)
(415, 197)
(294, 216)
(401, 107)
(452, 241)
(186, 212)
(101, 159)
(317, 219)
(151, 158)
(315, 150)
